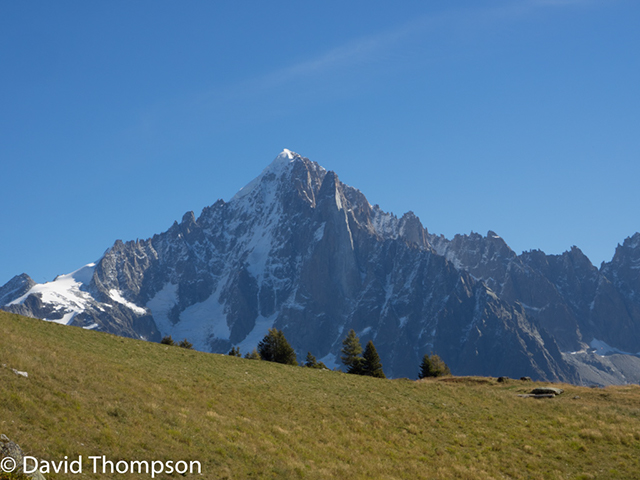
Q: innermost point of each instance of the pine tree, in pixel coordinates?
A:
(311, 362)
(235, 352)
(351, 350)
(371, 365)
(274, 347)
(167, 340)
(186, 344)
(425, 367)
(433, 366)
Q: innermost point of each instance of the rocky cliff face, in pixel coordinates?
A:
(298, 250)
(592, 314)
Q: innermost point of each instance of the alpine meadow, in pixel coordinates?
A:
(92, 394)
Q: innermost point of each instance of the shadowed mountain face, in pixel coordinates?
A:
(298, 250)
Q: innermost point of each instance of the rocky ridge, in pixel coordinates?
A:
(298, 250)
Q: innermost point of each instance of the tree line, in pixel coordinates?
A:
(274, 347)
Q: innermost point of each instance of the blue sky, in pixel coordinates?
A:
(116, 118)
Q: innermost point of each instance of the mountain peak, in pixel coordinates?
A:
(288, 153)
(281, 162)
(277, 167)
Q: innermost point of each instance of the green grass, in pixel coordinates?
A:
(90, 393)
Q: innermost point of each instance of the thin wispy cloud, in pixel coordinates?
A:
(353, 54)
(320, 77)
(380, 46)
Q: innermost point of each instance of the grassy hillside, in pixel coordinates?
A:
(89, 393)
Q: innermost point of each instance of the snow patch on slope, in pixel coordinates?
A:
(160, 306)
(331, 361)
(117, 297)
(64, 293)
(84, 274)
(602, 348)
(198, 323)
(277, 167)
(207, 317)
(262, 326)
(260, 245)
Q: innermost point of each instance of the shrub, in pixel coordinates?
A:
(186, 344)
(235, 352)
(167, 340)
(253, 355)
(433, 366)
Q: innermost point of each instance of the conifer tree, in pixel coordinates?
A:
(311, 362)
(433, 366)
(438, 365)
(235, 352)
(274, 347)
(186, 344)
(425, 367)
(167, 340)
(371, 364)
(351, 350)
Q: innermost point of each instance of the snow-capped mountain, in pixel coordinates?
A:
(298, 250)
